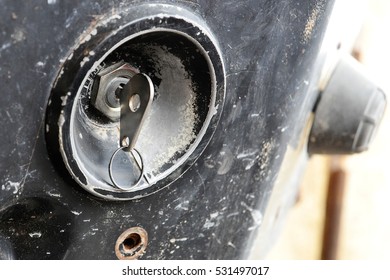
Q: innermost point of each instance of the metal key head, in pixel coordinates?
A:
(135, 101)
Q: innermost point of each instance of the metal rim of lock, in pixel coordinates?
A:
(182, 58)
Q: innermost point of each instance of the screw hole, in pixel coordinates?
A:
(132, 241)
(131, 244)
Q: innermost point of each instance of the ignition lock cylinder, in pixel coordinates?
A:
(132, 117)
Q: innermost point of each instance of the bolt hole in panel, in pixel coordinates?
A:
(131, 244)
(176, 50)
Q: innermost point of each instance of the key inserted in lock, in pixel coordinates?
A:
(155, 146)
(135, 101)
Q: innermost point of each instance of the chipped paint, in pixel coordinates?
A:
(225, 161)
(174, 240)
(11, 185)
(76, 212)
(208, 224)
(5, 46)
(36, 234)
(247, 153)
(53, 194)
(256, 216)
(64, 100)
(86, 59)
(182, 206)
(61, 119)
(214, 215)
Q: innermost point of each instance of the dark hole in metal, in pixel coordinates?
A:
(134, 240)
(131, 244)
(119, 90)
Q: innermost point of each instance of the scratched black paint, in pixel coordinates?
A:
(206, 214)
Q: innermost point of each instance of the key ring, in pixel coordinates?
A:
(139, 164)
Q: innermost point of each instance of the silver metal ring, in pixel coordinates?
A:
(140, 166)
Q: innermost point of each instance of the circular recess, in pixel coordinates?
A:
(181, 57)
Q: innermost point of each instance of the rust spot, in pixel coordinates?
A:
(131, 244)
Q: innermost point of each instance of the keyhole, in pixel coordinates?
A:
(118, 91)
(134, 103)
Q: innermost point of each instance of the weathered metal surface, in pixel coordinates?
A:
(214, 211)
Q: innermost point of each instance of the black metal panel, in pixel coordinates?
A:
(270, 50)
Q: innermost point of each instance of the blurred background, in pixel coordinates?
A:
(362, 203)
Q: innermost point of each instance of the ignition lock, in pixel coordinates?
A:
(121, 94)
(135, 101)
(135, 114)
